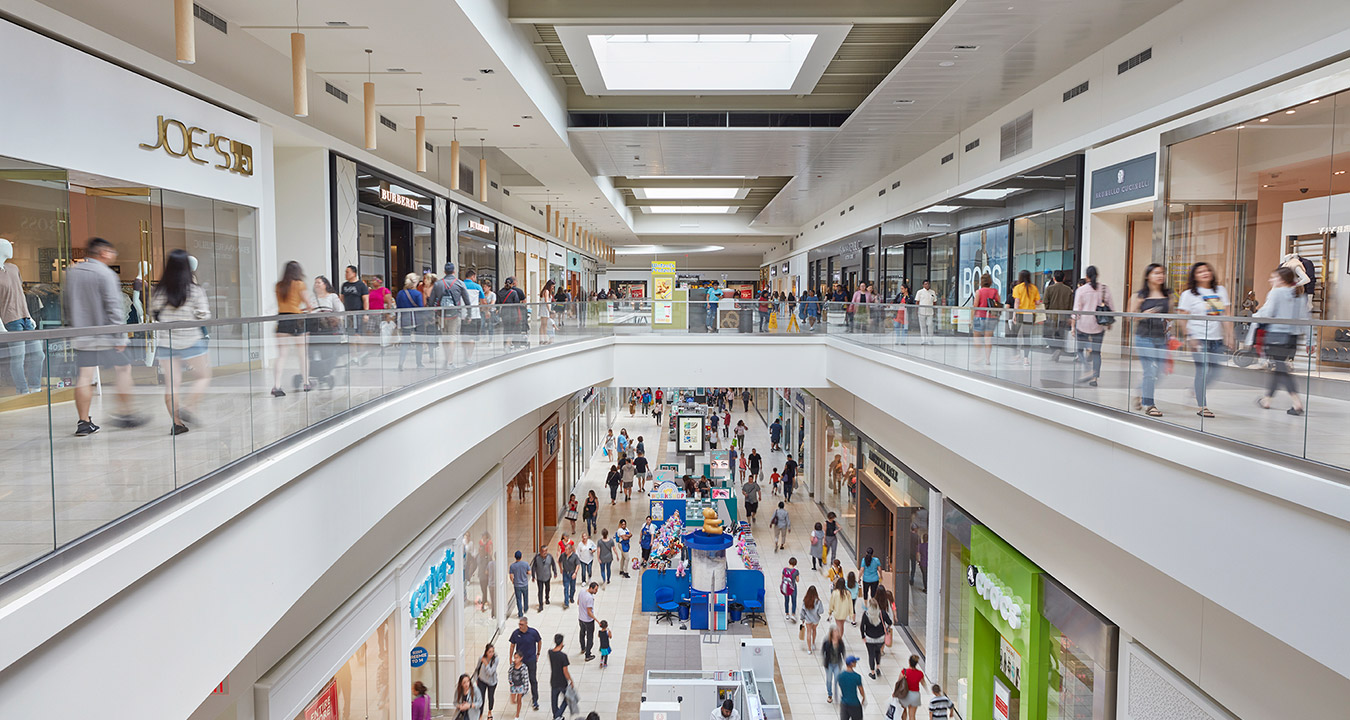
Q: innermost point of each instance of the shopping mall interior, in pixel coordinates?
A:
(869, 359)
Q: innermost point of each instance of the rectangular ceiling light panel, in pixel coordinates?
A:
(701, 60)
(690, 193)
(690, 210)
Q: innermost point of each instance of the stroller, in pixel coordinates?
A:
(325, 338)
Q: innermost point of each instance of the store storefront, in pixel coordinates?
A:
(893, 508)
(1017, 644)
(1257, 188)
(1028, 222)
(847, 262)
(478, 247)
(589, 418)
(165, 172)
(394, 229)
(425, 617)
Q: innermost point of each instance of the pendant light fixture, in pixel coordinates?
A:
(482, 171)
(299, 71)
(421, 126)
(185, 33)
(454, 156)
(548, 217)
(371, 120)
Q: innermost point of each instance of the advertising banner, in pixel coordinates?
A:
(983, 251)
(689, 434)
(663, 292)
(325, 706)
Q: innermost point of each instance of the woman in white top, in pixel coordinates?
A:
(178, 299)
(586, 555)
(1281, 340)
(1208, 340)
(545, 321)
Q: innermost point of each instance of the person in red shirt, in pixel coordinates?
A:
(914, 677)
(982, 330)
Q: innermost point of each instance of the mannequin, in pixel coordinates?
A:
(25, 358)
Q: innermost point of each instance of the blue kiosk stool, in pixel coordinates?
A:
(708, 597)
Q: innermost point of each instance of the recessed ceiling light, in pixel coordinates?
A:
(1265, 186)
(1314, 102)
(1264, 120)
(946, 63)
(469, 79)
(1240, 127)
(1290, 112)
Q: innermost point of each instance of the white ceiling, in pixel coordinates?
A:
(1022, 43)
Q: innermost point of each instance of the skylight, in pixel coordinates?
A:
(989, 194)
(690, 210)
(707, 62)
(687, 193)
(942, 208)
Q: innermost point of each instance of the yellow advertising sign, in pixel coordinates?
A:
(663, 267)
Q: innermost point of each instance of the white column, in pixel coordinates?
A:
(937, 558)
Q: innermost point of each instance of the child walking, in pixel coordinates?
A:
(817, 539)
(605, 635)
(518, 677)
(774, 479)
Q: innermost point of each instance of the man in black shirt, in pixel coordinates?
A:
(526, 641)
(789, 477)
(561, 677)
(640, 466)
(355, 294)
(754, 460)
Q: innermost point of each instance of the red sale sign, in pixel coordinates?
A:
(324, 706)
(1002, 698)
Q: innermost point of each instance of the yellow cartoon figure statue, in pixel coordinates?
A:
(711, 523)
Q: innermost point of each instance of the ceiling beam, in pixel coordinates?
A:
(719, 12)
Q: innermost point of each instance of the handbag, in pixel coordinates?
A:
(888, 639)
(1173, 345)
(801, 632)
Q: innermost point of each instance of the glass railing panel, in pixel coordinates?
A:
(205, 376)
(27, 509)
(126, 459)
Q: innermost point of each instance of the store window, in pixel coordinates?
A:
(984, 251)
(898, 526)
(435, 658)
(394, 228)
(840, 492)
(48, 214)
(483, 577)
(478, 247)
(1039, 246)
(363, 688)
(1246, 197)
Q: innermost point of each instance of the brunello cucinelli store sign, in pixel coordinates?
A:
(178, 139)
(1126, 181)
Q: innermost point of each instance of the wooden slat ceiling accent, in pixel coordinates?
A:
(866, 57)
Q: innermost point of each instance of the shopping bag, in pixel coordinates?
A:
(1173, 345)
(801, 632)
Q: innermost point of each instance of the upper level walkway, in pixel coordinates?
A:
(1165, 490)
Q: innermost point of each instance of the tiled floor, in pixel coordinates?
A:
(616, 691)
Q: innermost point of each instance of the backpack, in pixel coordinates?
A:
(447, 298)
(788, 586)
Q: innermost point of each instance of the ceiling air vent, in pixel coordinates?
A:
(972, 144)
(210, 18)
(430, 149)
(965, 48)
(1135, 61)
(504, 190)
(1072, 93)
(850, 208)
(388, 123)
(895, 184)
(333, 90)
(493, 184)
(1015, 137)
(841, 213)
(881, 192)
(948, 158)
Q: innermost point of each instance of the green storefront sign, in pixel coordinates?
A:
(1006, 641)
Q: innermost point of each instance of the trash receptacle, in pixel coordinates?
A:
(734, 612)
(684, 612)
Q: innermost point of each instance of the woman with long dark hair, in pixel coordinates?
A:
(291, 300)
(323, 331)
(176, 299)
(468, 701)
(1150, 335)
(1087, 324)
(1208, 339)
(985, 321)
(1024, 297)
(546, 322)
(1284, 301)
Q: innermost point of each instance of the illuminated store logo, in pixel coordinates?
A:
(480, 226)
(1004, 602)
(389, 196)
(236, 157)
(433, 590)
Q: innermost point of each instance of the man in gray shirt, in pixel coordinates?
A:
(568, 565)
(93, 298)
(520, 580)
(543, 568)
(750, 491)
(780, 522)
(452, 297)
